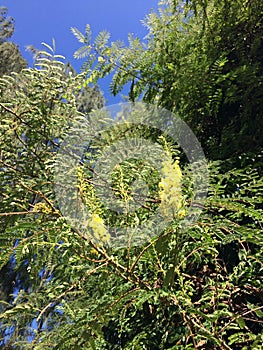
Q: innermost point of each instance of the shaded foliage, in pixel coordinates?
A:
(202, 60)
(11, 59)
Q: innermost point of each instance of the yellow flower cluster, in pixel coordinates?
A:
(100, 59)
(99, 232)
(42, 207)
(170, 190)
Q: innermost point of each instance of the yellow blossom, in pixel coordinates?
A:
(42, 207)
(98, 230)
(170, 190)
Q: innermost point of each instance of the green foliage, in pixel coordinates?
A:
(37, 107)
(6, 24)
(183, 289)
(11, 59)
(203, 286)
(202, 60)
(194, 288)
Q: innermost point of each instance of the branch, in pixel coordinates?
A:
(58, 298)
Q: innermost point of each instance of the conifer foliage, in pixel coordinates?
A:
(11, 59)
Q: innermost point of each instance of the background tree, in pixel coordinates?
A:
(11, 59)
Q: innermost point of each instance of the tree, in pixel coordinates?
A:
(202, 60)
(50, 98)
(11, 59)
(6, 25)
(191, 288)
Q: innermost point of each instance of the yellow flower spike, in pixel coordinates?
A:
(170, 190)
(99, 231)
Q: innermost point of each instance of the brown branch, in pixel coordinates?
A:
(120, 269)
(241, 315)
(144, 250)
(60, 296)
(10, 166)
(19, 213)
(18, 116)
(39, 193)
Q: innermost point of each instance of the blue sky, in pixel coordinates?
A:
(37, 21)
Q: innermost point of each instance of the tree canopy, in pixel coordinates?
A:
(201, 59)
(11, 59)
(196, 286)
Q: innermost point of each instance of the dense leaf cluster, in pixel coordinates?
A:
(201, 59)
(194, 288)
(11, 59)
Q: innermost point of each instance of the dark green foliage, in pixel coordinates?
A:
(89, 98)
(203, 60)
(6, 25)
(11, 59)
